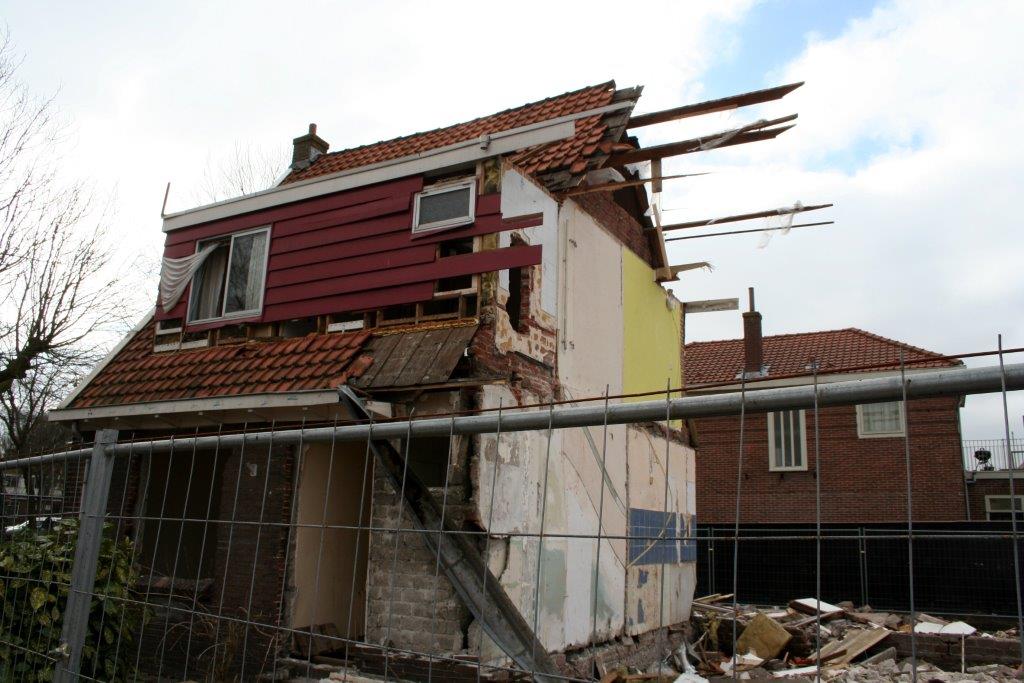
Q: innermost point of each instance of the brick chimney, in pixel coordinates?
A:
(753, 344)
(307, 148)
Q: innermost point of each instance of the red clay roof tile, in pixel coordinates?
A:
(568, 153)
(138, 375)
(835, 350)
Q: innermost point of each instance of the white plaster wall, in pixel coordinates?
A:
(645, 607)
(587, 288)
(519, 197)
(591, 349)
(566, 597)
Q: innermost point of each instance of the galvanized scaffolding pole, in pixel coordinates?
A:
(959, 382)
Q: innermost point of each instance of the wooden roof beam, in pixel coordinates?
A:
(744, 232)
(743, 217)
(712, 106)
(753, 132)
(612, 187)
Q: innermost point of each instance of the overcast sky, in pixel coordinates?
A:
(908, 123)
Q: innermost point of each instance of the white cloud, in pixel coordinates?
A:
(907, 122)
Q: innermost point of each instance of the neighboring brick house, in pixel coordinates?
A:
(988, 494)
(439, 272)
(862, 470)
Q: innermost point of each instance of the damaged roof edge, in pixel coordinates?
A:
(145, 320)
(501, 142)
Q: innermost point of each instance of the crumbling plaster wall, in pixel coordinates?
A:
(600, 347)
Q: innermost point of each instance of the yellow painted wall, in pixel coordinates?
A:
(651, 331)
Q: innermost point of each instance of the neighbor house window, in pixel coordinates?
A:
(444, 206)
(787, 440)
(880, 419)
(997, 508)
(229, 284)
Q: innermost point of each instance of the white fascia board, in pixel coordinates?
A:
(103, 363)
(476, 149)
(197, 405)
(996, 474)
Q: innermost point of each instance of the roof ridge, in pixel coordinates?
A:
(777, 336)
(606, 84)
(905, 345)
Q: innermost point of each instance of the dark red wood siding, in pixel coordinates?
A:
(355, 250)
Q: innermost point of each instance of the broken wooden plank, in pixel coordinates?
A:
(855, 643)
(812, 606)
(744, 217)
(613, 187)
(693, 145)
(712, 106)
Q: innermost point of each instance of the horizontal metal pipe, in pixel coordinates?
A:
(954, 382)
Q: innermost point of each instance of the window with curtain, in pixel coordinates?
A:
(880, 419)
(230, 281)
(787, 440)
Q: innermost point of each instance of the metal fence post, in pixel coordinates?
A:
(87, 551)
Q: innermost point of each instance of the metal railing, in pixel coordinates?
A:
(999, 457)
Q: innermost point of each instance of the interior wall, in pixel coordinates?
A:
(331, 553)
(652, 320)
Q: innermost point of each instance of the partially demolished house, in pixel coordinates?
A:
(507, 261)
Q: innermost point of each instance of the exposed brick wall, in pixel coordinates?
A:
(978, 488)
(945, 652)
(616, 220)
(235, 553)
(405, 606)
(863, 480)
(524, 373)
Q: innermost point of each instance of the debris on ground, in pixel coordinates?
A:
(853, 644)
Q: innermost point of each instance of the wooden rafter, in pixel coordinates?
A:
(743, 217)
(612, 187)
(712, 106)
(754, 132)
(743, 232)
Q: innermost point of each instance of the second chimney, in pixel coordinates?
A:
(306, 148)
(753, 344)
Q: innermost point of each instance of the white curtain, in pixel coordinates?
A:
(176, 273)
(254, 281)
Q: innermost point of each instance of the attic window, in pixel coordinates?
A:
(229, 284)
(444, 206)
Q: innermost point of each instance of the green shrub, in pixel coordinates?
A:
(35, 574)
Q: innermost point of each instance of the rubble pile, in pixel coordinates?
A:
(856, 644)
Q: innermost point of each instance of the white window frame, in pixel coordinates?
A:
(772, 467)
(861, 434)
(248, 313)
(989, 510)
(447, 224)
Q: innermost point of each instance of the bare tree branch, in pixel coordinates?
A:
(248, 169)
(56, 285)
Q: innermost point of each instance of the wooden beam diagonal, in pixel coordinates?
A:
(712, 106)
(744, 217)
(753, 133)
(612, 187)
